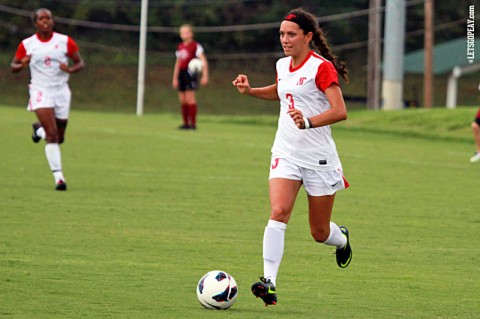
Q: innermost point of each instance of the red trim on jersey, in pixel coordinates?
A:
(72, 47)
(301, 64)
(21, 52)
(478, 114)
(41, 40)
(326, 75)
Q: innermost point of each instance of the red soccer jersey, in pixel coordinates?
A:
(186, 52)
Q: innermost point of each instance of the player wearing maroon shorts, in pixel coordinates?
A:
(303, 153)
(47, 54)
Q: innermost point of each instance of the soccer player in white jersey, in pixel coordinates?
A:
(303, 152)
(47, 53)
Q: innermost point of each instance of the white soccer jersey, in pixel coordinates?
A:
(303, 88)
(46, 57)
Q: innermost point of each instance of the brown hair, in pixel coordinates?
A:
(308, 23)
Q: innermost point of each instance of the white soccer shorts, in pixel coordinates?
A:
(315, 182)
(58, 97)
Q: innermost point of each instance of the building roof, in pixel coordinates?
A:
(446, 56)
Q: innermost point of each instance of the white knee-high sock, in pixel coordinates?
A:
(52, 152)
(336, 237)
(273, 245)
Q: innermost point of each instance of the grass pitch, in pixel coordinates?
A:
(150, 209)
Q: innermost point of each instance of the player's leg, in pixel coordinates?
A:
(319, 214)
(183, 85)
(325, 231)
(321, 187)
(61, 127)
(184, 110)
(192, 107)
(476, 135)
(46, 117)
(283, 193)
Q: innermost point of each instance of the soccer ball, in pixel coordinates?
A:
(217, 290)
(195, 66)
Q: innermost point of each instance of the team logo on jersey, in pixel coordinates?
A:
(301, 80)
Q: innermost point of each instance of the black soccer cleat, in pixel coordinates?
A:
(184, 127)
(35, 137)
(61, 186)
(344, 255)
(265, 290)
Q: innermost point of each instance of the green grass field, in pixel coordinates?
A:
(150, 209)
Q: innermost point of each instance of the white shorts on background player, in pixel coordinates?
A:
(57, 97)
(315, 182)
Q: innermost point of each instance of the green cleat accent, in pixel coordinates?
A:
(344, 255)
(265, 290)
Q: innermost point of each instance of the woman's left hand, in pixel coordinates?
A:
(64, 67)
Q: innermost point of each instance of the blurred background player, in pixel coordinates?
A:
(183, 81)
(476, 136)
(303, 152)
(47, 53)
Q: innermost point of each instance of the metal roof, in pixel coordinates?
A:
(446, 56)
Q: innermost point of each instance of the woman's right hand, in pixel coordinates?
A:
(17, 65)
(242, 85)
(26, 60)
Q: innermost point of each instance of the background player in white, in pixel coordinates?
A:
(304, 151)
(183, 81)
(46, 53)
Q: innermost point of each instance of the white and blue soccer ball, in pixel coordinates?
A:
(217, 290)
(195, 66)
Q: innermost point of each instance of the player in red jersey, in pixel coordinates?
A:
(47, 53)
(183, 80)
(303, 152)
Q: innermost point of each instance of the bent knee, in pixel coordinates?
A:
(320, 235)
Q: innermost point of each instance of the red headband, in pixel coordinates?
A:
(301, 20)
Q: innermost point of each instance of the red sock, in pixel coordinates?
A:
(185, 114)
(192, 111)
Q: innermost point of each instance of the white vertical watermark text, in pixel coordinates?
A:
(471, 34)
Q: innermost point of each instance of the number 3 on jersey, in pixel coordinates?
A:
(291, 103)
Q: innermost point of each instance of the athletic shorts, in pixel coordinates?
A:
(315, 182)
(186, 81)
(58, 97)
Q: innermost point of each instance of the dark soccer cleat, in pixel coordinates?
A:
(61, 186)
(344, 255)
(184, 127)
(265, 290)
(35, 137)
